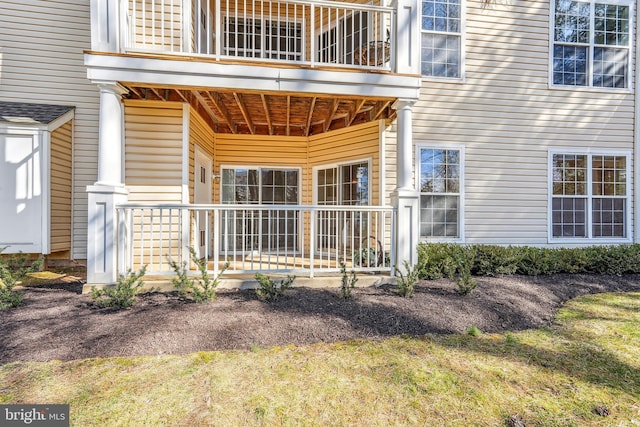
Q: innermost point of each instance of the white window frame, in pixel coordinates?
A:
(338, 165)
(299, 228)
(259, 168)
(591, 45)
(589, 196)
(463, 41)
(461, 193)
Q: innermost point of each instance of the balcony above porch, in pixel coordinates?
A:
(315, 49)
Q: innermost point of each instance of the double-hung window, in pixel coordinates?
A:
(441, 50)
(440, 187)
(592, 43)
(589, 196)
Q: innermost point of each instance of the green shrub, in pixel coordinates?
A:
(436, 260)
(201, 290)
(534, 261)
(493, 260)
(123, 294)
(13, 269)
(348, 281)
(270, 290)
(466, 283)
(407, 283)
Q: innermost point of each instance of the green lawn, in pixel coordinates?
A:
(548, 377)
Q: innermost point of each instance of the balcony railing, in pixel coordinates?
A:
(294, 239)
(313, 33)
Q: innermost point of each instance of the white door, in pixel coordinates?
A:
(203, 166)
(20, 193)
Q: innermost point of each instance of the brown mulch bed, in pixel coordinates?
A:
(57, 322)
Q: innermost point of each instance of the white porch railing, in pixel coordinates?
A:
(303, 240)
(312, 33)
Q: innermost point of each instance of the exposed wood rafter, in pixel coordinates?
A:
(312, 105)
(356, 110)
(288, 115)
(215, 100)
(205, 106)
(333, 108)
(243, 110)
(380, 107)
(267, 114)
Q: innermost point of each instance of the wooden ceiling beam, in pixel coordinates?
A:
(381, 106)
(206, 107)
(267, 114)
(225, 113)
(355, 112)
(243, 110)
(156, 93)
(312, 106)
(288, 128)
(183, 96)
(333, 108)
(135, 91)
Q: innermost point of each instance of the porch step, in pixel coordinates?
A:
(163, 284)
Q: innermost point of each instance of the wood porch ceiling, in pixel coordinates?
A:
(229, 111)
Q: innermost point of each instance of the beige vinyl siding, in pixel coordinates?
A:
(507, 118)
(347, 145)
(41, 54)
(153, 174)
(200, 134)
(153, 151)
(61, 151)
(259, 150)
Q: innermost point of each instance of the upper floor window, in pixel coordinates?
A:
(441, 54)
(592, 43)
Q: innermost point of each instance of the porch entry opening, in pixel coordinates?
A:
(346, 185)
(272, 230)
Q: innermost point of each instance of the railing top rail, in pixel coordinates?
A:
(234, 207)
(325, 3)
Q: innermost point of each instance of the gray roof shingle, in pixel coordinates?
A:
(26, 113)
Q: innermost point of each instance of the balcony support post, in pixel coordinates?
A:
(405, 198)
(108, 192)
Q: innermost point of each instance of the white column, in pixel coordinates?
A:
(110, 135)
(405, 197)
(108, 192)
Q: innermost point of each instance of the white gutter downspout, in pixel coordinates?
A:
(636, 139)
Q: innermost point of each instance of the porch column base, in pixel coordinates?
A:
(407, 203)
(102, 239)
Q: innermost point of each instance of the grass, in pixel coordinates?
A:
(548, 377)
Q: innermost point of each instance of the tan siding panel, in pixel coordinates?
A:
(507, 117)
(61, 151)
(42, 62)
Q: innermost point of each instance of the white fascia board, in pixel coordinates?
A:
(61, 120)
(249, 77)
